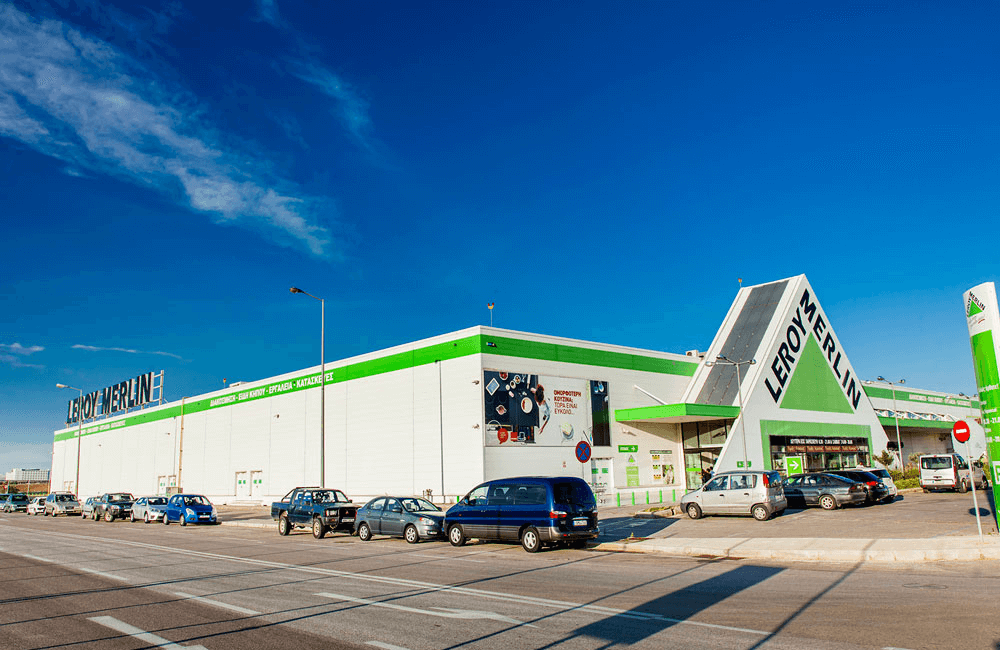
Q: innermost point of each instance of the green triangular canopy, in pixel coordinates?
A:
(813, 386)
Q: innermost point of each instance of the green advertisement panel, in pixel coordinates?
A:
(982, 316)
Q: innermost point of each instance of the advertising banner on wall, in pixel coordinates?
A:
(524, 409)
(984, 328)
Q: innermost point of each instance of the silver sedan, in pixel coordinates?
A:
(148, 509)
(411, 518)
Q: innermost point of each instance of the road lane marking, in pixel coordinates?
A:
(445, 612)
(446, 557)
(216, 603)
(386, 646)
(142, 635)
(102, 574)
(563, 606)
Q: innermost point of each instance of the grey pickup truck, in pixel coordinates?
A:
(322, 509)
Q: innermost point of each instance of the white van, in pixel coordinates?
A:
(948, 472)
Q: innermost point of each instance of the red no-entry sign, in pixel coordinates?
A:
(961, 431)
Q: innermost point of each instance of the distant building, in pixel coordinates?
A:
(38, 475)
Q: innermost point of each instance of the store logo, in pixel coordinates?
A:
(808, 318)
(974, 308)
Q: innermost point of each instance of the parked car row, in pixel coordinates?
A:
(534, 511)
(181, 508)
(766, 494)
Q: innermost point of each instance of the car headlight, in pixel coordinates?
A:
(428, 521)
(115, 508)
(189, 512)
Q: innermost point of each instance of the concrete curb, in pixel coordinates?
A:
(248, 523)
(817, 550)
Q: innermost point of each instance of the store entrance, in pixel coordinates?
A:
(820, 454)
(703, 442)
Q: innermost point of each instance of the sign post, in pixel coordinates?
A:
(983, 319)
(961, 433)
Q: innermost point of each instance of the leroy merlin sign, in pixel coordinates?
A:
(982, 317)
(809, 341)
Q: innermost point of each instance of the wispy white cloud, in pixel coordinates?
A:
(13, 353)
(267, 11)
(353, 109)
(94, 348)
(77, 99)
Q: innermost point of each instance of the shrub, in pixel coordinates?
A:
(911, 473)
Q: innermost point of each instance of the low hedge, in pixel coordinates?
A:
(903, 483)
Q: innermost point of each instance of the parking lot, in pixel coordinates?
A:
(913, 515)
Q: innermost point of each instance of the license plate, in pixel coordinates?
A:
(202, 516)
(579, 522)
(348, 519)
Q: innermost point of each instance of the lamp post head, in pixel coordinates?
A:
(61, 386)
(723, 357)
(901, 381)
(296, 290)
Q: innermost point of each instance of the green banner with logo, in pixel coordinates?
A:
(983, 319)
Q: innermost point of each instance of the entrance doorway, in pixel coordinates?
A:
(256, 484)
(602, 476)
(242, 487)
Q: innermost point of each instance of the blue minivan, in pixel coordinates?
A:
(532, 510)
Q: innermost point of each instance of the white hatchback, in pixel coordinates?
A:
(37, 506)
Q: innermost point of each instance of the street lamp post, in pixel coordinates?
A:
(899, 444)
(725, 361)
(322, 384)
(79, 436)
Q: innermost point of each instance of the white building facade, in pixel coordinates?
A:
(439, 416)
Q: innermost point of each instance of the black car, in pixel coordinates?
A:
(113, 505)
(827, 491)
(874, 487)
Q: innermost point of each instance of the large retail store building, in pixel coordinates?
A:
(440, 415)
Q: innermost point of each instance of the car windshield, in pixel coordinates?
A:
(65, 497)
(420, 505)
(329, 496)
(881, 473)
(935, 462)
(124, 496)
(19, 497)
(575, 494)
(157, 501)
(196, 500)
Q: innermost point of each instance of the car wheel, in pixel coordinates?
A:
(963, 487)
(145, 517)
(364, 532)
(827, 502)
(411, 535)
(693, 511)
(760, 512)
(131, 516)
(456, 535)
(530, 540)
(166, 519)
(319, 530)
(284, 526)
(182, 520)
(108, 517)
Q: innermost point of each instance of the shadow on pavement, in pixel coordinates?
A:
(618, 528)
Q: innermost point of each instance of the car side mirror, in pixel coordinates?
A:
(463, 502)
(397, 509)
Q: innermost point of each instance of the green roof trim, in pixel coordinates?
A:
(457, 348)
(889, 424)
(903, 395)
(676, 410)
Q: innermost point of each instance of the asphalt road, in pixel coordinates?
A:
(71, 582)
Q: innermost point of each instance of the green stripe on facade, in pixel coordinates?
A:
(921, 398)
(475, 344)
(890, 424)
(713, 411)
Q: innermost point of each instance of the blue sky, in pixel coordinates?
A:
(601, 171)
